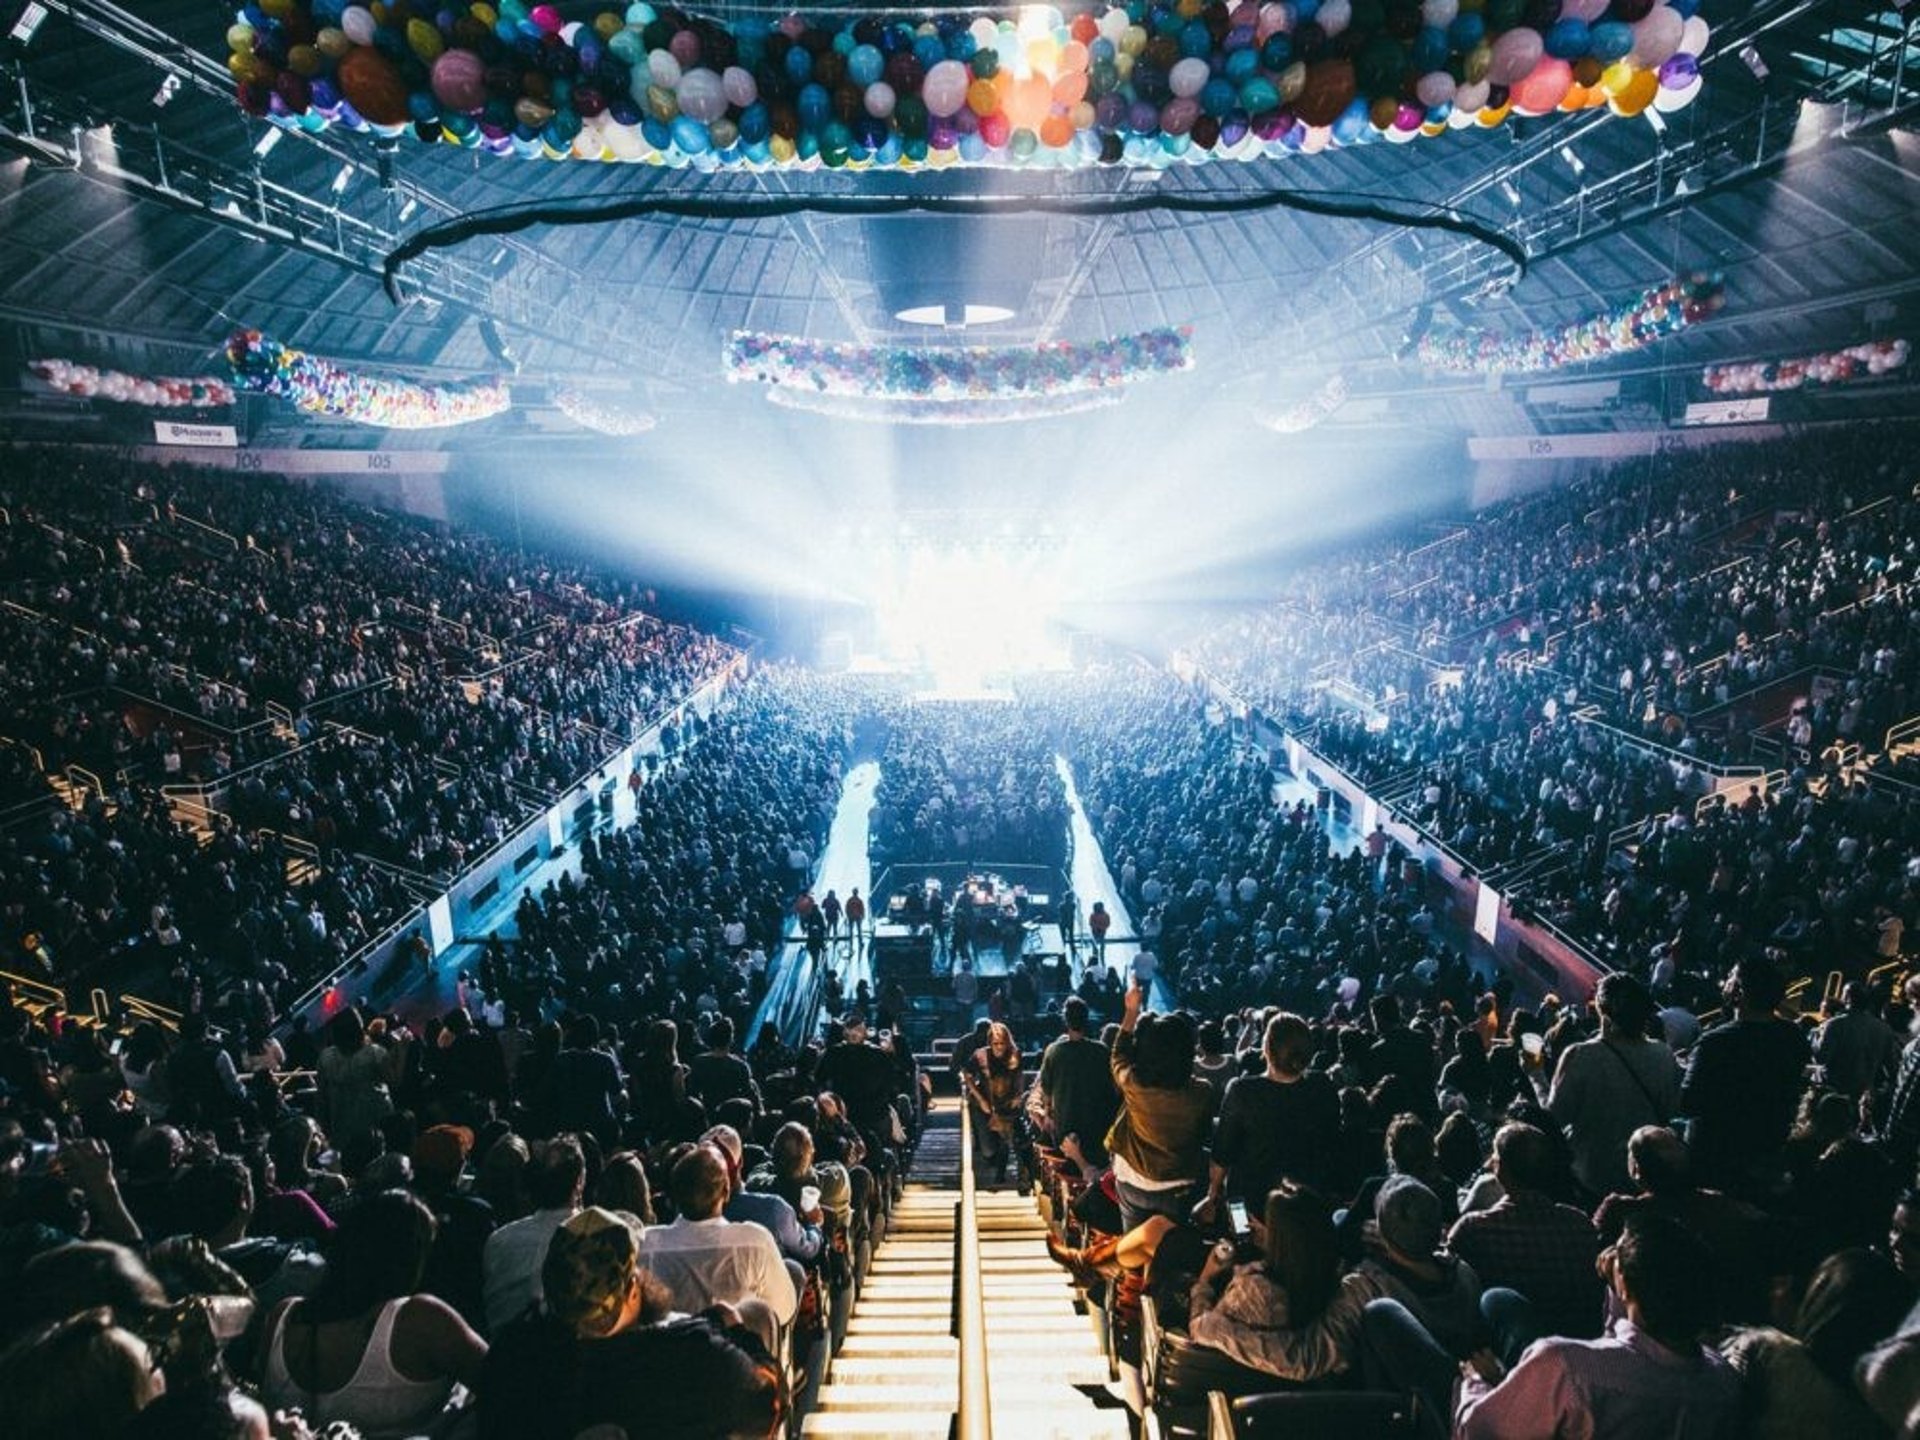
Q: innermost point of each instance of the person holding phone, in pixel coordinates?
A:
(1158, 1141)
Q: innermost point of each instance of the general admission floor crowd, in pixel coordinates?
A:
(587, 1194)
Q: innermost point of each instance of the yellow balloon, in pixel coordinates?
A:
(1490, 117)
(607, 24)
(1134, 42)
(485, 14)
(782, 148)
(1638, 94)
(305, 60)
(240, 39)
(1615, 78)
(424, 40)
(332, 42)
(1476, 63)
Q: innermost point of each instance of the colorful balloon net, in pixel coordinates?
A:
(591, 413)
(1141, 84)
(264, 366)
(1309, 411)
(156, 392)
(888, 411)
(1653, 315)
(868, 371)
(1835, 367)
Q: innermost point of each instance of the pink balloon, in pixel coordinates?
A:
(1515, 53)
(1544, 87)
(945, 88)
(460, 80)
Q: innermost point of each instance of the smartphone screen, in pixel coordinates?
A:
(1237, 1217)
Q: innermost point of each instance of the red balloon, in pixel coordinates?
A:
(373, 87)
(1327, 92)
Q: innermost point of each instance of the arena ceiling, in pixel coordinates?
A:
(139, 222)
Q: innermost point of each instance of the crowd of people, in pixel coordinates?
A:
(390, 692)
(1536, 1222)
(963, 781)
(1552, 680)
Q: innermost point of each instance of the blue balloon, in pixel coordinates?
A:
(1196, 41)
(799, 65)
(1243, 65)
(929, 51)
(972, 148)
(1569, 39)
(864, 65)
(1218, 96)
(756, 124)
(1305, 10)
(656, 133)
(815, 106)
(1468, 29)
(1609, 40)
(1351, 123)
(1430, 49)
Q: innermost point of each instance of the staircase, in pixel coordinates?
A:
(897, 1375)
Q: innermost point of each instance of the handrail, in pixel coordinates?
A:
(973, 1419)
(233, 541)
(1900, 732)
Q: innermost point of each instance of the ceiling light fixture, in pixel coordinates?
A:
(1512, 192)
(1755, 62)
(406, 210)
(263, 147)
(1574, 162)
(27, 25)
(342, 180)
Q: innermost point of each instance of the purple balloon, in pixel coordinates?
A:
(1143, 118)
(1679, 71)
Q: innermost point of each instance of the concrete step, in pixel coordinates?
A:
(914, 1424)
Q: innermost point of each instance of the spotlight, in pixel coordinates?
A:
(263, 147)
(1512, 192)
(26, 24)
(500, 255)
(1755, 62)
(342, 180)
(169, 88)
(1574, 162)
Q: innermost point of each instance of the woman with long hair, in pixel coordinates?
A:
(1295, 1277)
(996, 1087)
(366, 1347)
(1158, 1142)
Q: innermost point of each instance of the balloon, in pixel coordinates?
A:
(459, 80)
(879, 100)
(1515, 53)
(1694, 35)
(374, 87)
(1569, 39)
(1439, 13)
(701, 96)
(1328, 87)
(424, 40)
(1435, 88)
(1667, 100)
(1334, 16)
(357, 23)
(1657, 37)
(1543, 88)
(739, 86)
(1188, 77)
(1679, 72)
(945, 88)
(1611, 40)
(1638, 94)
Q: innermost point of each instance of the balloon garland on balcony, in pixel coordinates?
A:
(264, 366)
(1836, 367)
(589, 413)
(1653, 315)
(156, 392)
(899, 372)
(1141, 84)
(891, 411)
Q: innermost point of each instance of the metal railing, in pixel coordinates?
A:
(973, 1419)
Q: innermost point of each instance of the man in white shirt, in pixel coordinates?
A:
(510, 1264)
(705, 1259)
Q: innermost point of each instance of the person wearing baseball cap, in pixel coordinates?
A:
(607, 1350)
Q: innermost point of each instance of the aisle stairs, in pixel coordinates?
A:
(897, 1375)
